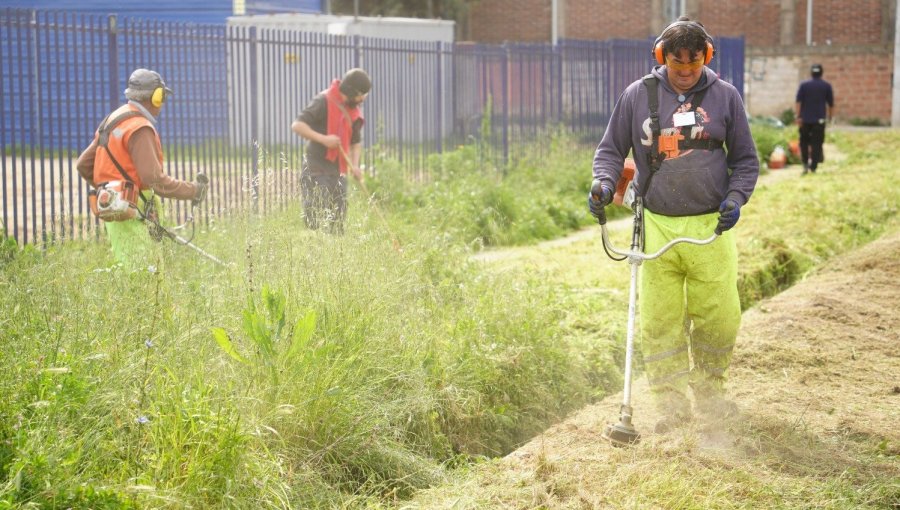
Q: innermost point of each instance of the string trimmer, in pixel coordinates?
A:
(161, 231)
(362, 185)
(623, 433)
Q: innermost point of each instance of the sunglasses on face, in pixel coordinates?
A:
(679, 66)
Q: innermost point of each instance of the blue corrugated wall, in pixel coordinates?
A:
(193, 11)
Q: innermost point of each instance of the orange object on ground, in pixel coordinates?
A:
(794, 146)
(627, 176)
(778, 159)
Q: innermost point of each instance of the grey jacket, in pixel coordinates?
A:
(693, 181)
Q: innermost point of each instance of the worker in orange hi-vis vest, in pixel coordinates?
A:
(124, 167)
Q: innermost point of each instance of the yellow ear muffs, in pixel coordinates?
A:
(158, 97)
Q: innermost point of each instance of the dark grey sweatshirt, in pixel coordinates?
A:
(693, 181)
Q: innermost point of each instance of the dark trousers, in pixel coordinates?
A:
(324, 200)
(811, 138)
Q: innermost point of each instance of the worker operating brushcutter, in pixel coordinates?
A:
(332, 123)
(124, 167)
(696, 167)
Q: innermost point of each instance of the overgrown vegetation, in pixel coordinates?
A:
(320, 371)
(541, 195)
(768, 136)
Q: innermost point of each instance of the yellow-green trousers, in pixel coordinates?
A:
(690, 309)
(131, 243)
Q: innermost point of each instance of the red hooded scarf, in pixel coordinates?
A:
(340, 123)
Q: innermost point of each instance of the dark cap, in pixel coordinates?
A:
(145, 80)
(355, 83)
(816, 69)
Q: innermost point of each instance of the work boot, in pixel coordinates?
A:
(716, 406)
(675, 409)
(671, 422)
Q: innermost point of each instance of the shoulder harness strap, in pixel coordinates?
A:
(654, 157)
(103, 140)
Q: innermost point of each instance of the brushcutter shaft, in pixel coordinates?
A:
(184, 242)
(629, 339)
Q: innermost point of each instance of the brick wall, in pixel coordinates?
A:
(615, 19)
(842, 22)
(496, 21)
(758, 21)
(852, 39)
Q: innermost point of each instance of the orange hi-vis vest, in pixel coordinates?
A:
(105, 169)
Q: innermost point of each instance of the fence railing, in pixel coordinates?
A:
(238, 88)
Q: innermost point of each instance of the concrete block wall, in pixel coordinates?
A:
(770, 83)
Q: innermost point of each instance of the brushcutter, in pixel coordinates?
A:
(623, 433)
(159, 231)
(362, 186)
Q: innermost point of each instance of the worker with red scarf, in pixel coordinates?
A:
(332, 123)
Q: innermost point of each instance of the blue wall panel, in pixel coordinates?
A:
(194, 11)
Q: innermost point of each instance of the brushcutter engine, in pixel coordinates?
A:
(114, 201)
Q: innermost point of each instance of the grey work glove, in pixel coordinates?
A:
(599, 197)
(201, 184)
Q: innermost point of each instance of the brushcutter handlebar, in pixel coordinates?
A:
(640, 256)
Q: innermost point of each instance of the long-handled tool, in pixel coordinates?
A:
(623, 433)
(155, 227)
(187, 242)
(362, 185)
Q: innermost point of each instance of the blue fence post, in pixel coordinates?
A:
(439, 97)
(113, 59)
(254, 120)
(506, 101)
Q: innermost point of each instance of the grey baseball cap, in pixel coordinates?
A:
(145, 80)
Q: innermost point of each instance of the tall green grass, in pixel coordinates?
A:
(315, 371)
(540, 195)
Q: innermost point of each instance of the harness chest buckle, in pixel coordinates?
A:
(669, 144)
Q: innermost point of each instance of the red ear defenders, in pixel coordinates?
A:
(660, 54)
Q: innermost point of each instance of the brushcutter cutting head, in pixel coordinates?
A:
(622, 434)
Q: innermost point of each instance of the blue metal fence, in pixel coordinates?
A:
(238, 88)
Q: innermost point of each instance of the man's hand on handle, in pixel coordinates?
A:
(331, 141)
(599, 197)
(354, 170)
(201, 184)
(729, 214)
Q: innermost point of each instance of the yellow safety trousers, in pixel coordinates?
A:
(130, 240)
(690, 311)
